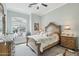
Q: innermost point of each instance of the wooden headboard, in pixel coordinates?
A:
(56, 28)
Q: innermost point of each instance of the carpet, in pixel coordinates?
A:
(23, 50)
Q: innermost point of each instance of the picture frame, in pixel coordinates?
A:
(36, 26)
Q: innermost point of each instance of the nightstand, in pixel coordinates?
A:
(69, 42)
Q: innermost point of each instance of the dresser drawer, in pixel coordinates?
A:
(5, 50)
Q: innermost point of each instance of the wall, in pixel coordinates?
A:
(65, 15)
(35, 19)
(31, 19)
(11, 14)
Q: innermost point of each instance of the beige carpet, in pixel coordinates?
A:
(23, 50)
(54, 51)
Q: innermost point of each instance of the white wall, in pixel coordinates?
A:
(11, 14)
(31, 19)
(35, 19)
(65, 15)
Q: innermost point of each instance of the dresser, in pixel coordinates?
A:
(69, 42)
(5, 49)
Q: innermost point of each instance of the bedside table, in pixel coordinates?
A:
(68, 42)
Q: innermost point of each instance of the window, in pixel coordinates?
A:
(19, 24)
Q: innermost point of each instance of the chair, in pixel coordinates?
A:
(69, 52)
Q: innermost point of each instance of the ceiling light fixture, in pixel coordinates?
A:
(37, 4)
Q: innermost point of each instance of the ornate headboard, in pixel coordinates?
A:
(54, 27)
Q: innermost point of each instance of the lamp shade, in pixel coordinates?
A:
(67, 27)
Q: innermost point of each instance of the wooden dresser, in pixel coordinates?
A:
(68, 42)
(5, 50)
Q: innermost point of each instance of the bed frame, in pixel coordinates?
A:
(35, 46)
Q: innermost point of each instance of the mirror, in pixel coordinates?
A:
(2, 20)
(1, 26)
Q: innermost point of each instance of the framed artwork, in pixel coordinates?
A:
(36, 26)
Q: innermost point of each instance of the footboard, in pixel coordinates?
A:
(34, 45)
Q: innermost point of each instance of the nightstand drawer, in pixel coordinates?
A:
(68, 42)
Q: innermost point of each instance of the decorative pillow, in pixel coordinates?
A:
(49, 33)
(43, 33)
(54, 35)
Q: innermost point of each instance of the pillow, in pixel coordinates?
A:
(49, 33)
(43, 33)
(56, 36)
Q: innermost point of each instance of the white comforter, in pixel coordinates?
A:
(45, 40)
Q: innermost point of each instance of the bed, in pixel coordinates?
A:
(40, 43)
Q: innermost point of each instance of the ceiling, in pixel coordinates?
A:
(23, 8)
